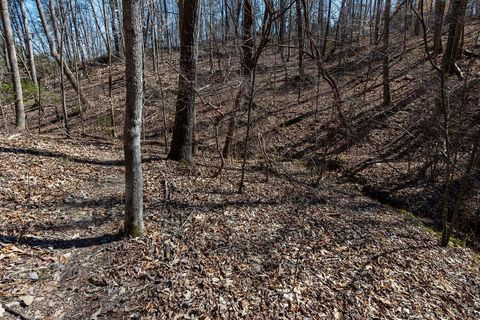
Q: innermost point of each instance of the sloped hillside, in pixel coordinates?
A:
(282, 249)
(337, 221)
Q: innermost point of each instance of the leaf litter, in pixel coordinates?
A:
(285, 249)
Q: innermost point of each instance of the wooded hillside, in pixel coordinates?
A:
(265, 159)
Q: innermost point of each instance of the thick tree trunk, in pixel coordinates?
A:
(132, 17)
(12, 54)
(182, 139)
(457, 18)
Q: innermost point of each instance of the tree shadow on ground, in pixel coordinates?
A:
(67, 157)
(57, 243)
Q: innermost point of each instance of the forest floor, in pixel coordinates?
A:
(283, 249)
(307, 239)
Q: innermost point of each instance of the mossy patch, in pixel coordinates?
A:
(28, 88)
(454, 241)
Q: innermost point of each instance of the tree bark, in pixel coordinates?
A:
(327, 28)
(377, 21)
(386, 56)
(247, 64)
(301, 42)
(12, 54)
(132, 17)
(28, 43)
(115, 27)
(182, 139)
(416, 30)
(437, 31)
(457, 20)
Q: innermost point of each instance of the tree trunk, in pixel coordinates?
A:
(386, 57)
(416, 30)
(301, 42)
(377, 21)
(457, 18)
(182, 139)
(56, 56)
(327, 28)
(12, 54)
(437, 29)
(28, 40)
(110, 73)
(320, 20)
(247, 64)
(115, 27)
(132, 17)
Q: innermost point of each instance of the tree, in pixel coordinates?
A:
(327, 28)
(12, 55)
(437, 31)
(301, 42)
(29, 46)
(386, 57)
(53, 49)
(455, 29)
(416, 29)
(457, 16)
(183, 131)
(132, 23)
(115, 28)
(378, 5)
(247, 63)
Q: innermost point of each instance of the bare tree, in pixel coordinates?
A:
(378, 5)
(327, 28)
(386, 55)
(247, 64)
(437, 31)
(457, 16)
(301, 39)
(29, 46)
(132, 22)
(455, 29)
(12, 55)
(416, 28)
(54, 51)
(183, 131)
(116, 32)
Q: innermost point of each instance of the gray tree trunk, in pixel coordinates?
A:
(327, 28)
(377, 21)
(12, 55)
(28, 40)
(53, 51)
(132, 23)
